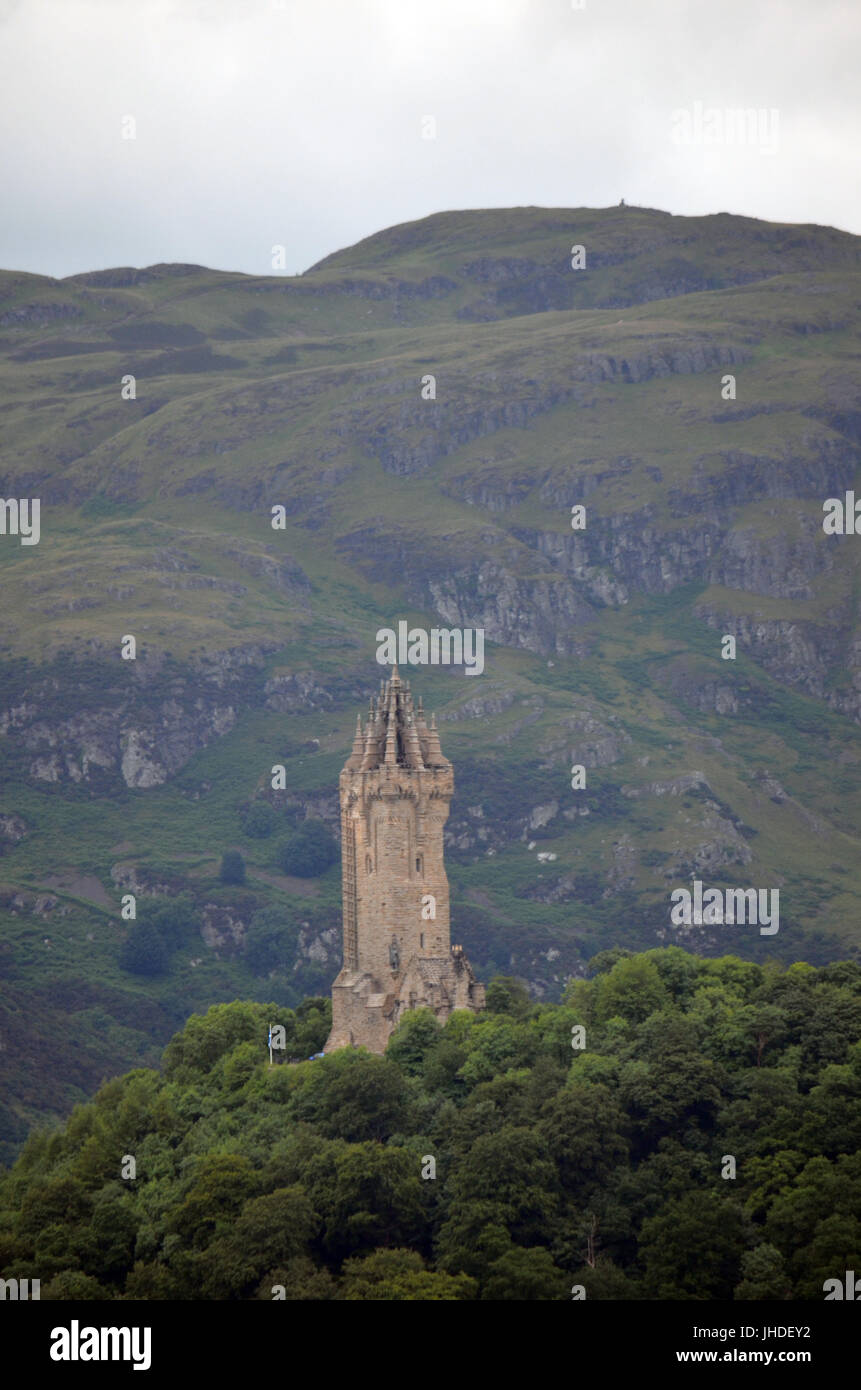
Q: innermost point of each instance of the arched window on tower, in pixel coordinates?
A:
(419, 864)
(369, 864)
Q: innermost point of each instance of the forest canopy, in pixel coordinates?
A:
(486, 1159)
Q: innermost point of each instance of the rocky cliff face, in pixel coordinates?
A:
(131, 727)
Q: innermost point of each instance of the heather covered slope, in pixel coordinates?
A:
(554, 387)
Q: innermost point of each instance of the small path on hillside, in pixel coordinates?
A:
(193, 858)
(80, 886)
(286, 882)
(482, 899)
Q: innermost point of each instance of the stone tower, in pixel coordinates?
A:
(395, 791)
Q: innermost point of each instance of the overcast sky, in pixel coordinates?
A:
(300, 122)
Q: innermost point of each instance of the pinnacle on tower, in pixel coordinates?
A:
(413, 752)
(355, 758)
(434, 756)
(369, 758)
(394, 717)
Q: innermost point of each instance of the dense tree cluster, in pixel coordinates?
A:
(163, 925)
(259, 820)
(310, 850)
(603, 1166)
(232, 867)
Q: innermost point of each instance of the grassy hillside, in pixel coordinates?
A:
(256, 646)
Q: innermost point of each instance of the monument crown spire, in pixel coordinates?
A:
(397, 734)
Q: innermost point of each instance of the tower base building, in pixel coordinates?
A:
(395, 791)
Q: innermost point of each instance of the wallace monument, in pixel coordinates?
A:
(395, 791)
